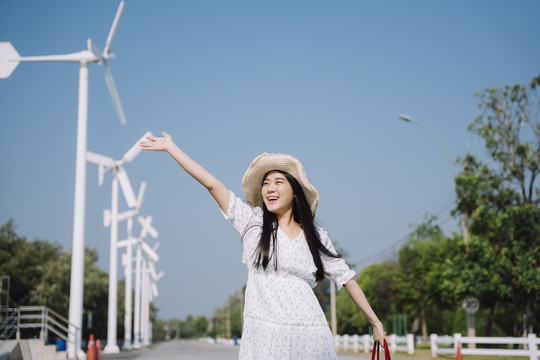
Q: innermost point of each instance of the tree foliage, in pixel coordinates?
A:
(24, 262)
(501, 198)
(40, 275)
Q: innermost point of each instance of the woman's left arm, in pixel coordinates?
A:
(359, 299)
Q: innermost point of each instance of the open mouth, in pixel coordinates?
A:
(272, 199)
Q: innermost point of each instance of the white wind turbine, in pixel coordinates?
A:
(9, 59)
(149, 291)
(147, 228)
(127, 258)
(120, 176)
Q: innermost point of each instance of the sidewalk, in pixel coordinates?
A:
(194, 350)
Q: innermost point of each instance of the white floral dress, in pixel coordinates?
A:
(282, 317)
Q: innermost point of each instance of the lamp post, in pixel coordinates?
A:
(464, 220)
(465, 217)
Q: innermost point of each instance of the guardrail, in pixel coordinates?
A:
(529, 345)
(34, 317)
(365, 342)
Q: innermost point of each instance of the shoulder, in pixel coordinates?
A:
(323, 234)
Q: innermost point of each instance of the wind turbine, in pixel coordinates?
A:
(141, 245)
(9, 59)
(149, 291)
(107, 164)
(127, 259)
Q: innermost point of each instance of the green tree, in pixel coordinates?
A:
(378, 282)
(53, 291)
(502, 199)
(200, 326)
(422, 261)
(24, 262)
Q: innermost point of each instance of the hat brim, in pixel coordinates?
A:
(262, 164)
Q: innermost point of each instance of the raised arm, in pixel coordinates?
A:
(216, 188)
(359, 299)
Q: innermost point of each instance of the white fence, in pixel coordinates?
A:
(365, 342)
(221, 341)
(529, 345)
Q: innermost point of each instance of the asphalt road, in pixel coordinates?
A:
(194, 350)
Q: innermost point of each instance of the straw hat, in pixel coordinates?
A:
(254, 176)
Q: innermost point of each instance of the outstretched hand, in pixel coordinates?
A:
(379, 335)
(157, 143)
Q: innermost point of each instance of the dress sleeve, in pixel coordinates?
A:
(240, 214)
(337, 269)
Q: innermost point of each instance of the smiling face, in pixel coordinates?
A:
(277, 193)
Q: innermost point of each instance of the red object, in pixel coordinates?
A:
(98, 349)
(458, 354)
(376, 345)
(91, 352)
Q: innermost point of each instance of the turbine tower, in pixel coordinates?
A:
(9, 59)
(120, 176)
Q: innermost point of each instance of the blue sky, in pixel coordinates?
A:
(323, 81)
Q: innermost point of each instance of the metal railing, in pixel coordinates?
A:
(34, 317)
(8, 324)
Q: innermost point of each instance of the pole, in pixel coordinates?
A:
(128, 296)
(77, 251)
(112, 347)
(145, 305)
(333, 307)
(471, 331)
(137, 310)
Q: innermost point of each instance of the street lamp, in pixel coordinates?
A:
(407, 118)
(464, 221)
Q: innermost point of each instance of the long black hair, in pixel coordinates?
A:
(303, 216)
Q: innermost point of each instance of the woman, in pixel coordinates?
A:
(285, 254)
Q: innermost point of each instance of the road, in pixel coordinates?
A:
(194, 350)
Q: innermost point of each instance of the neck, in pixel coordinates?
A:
(286, 219)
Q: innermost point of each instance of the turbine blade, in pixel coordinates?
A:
(153, 233)
(154, 290)
(129, 226)
(149, 251)
(147, 228)
(94, 50)
(112, 32)
(107, 216)
(126, 188)
(99, 159)
(135, 149)
(140, 196)
(114, 95)
(152, 270)
(156, 246)
(122, 243)
(144, 230)
(9, 59)
(101, 174)
(160, 275)
(128, 214)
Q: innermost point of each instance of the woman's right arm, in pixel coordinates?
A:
(216, 188)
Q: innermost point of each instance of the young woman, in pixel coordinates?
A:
(285, 254)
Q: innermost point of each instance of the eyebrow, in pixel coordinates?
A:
(277, 178)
